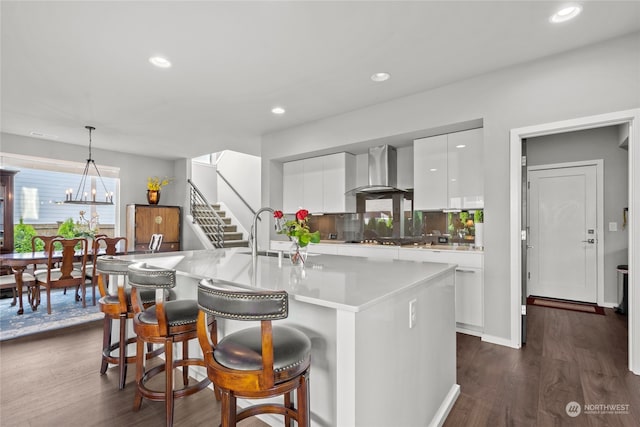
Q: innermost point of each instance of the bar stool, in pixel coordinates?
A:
(258, 362)
(164, 323)
(118, 307)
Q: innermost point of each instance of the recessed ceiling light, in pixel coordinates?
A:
(565, 14)
(460, 146)
(433, 170)
(160, 62)
(278, 110)
(380, 77)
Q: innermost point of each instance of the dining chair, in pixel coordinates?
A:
(66, 274)
(155, 242)
(8, 281)
(103, 245)
(36, 242)
(257, 362)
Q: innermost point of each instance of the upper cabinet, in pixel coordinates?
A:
(448, 171)
(318, 184)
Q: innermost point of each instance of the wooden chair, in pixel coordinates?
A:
(65, 275)
(166, 323)
(258, 362)
(103, 245)
(46, 240)
(8, 281)
(117, 306)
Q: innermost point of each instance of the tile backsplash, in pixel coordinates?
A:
(457, 227)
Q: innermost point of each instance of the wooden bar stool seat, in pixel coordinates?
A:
(257, 362)
(118, 307)
(165, 323)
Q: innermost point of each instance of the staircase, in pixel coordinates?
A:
(232, 237)
(213, 222)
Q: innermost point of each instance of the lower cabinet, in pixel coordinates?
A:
(469, 299)
(469, 284)
(469, 273)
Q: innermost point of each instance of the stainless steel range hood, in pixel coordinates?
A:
(383, 171)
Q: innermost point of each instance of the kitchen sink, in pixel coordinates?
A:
(273, 254)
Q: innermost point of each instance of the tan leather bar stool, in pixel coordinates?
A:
(258, 362)
(118, 307)
(165, 323)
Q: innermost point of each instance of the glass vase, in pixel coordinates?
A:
(297, 254)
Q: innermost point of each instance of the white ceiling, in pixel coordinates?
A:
(70, 64)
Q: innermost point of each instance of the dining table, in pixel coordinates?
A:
(19, 261)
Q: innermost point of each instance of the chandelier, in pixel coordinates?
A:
(82, 197)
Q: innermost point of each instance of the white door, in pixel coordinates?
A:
(563, 240)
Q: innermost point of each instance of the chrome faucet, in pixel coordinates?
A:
(253, 238)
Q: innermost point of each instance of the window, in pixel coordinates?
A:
(39, 190)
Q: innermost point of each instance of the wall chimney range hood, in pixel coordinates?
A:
(383, 172)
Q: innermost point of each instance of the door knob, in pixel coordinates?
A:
(589, 241)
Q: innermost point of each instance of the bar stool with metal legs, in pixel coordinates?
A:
(257, 362)
(118, 307)
(165, 323)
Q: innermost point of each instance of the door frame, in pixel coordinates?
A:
(599, 164)
(632, 119)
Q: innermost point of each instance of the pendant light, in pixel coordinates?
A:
(82, 197)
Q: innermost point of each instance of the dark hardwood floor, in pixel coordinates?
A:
(569, 357)
(52, 379)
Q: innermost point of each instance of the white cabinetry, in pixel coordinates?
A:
(469, 298)
(292, 185)
(430, 173)
(318, 184)
(448, 171)
(469, 284)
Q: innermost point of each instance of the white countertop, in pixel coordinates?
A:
(340, 282)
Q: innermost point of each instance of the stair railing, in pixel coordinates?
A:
(253, 212)
(205, 216)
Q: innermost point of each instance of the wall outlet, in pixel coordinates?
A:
(613, 226)
(413, 315)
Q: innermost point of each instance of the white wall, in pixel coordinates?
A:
(134, 169)
(206, 179)
(588, 81)
(243, 172)
(592, 144)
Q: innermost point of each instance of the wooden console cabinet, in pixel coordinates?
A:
(145, 220)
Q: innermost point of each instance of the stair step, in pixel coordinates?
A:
(236, 244)
(232, 236)
(208, 219)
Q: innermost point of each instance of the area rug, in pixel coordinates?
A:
(565, 305)
(65, 311)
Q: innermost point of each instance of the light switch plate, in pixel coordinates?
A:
(613, 226)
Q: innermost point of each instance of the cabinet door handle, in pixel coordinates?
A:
(458, 270)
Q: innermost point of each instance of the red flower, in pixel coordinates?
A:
(302, 214)
(278, 214)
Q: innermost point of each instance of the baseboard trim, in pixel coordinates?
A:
(467, 331)
(499, 340)
(445, 407)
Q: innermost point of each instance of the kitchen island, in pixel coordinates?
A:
(371, 364)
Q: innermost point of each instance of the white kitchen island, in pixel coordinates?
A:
(368, 366)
